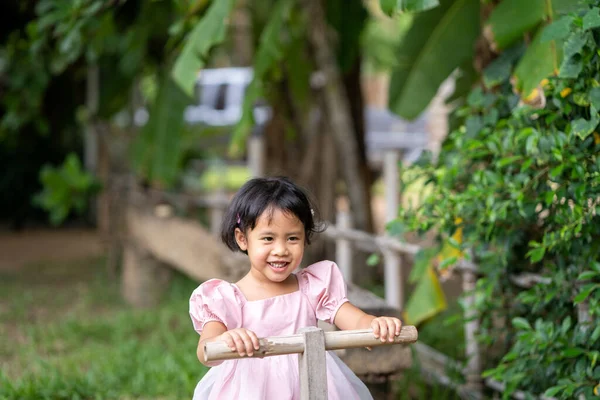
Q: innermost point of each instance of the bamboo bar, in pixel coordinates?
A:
(279, 345)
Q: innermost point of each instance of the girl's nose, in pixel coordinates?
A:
(280, 249)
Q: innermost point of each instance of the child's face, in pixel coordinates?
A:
(275, 245)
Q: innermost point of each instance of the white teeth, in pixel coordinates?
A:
(278, 265)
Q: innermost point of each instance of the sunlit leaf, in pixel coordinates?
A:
(270, 51)
(539, 62)
(510, 19)
(208, 32)
(391, 7)
(427, 300)
(430, 51)
(157, 152)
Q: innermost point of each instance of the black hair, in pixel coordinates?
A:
(260, 194)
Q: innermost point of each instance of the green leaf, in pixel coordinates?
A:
(583, 128)
(570, 68)
(157, 153)
(572, 352)
(511, 19)
(557, 30)
(424, 61)
(537, 254)
(591, 20)
(595, 97)
(422, 262)
(554, 390)
(587, 275)
(427, 299)
(391, 7)
(373, 260)
(585, 292)
(538, 62)
(208, 32)
(499, 70)
(508, 160)
(271, 50)
(521, 323)
(557, 171)
(447, 262)
(576, 42)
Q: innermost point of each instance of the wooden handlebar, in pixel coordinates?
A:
(279, 345)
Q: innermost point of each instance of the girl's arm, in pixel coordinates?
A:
(241, 340)
(351, 317)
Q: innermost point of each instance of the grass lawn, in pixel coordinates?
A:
(67, 335)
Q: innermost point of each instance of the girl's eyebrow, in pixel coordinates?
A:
(274, 234)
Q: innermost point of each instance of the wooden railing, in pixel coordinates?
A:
(311, 344)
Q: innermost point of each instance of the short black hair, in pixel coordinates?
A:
(260, 194)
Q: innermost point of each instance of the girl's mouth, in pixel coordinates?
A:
(278, 265)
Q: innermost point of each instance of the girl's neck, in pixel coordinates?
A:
(258, 289)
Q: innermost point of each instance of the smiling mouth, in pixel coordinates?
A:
(278, 265)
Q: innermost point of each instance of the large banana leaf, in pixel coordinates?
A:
(439, 41)
(541, 60)
(427, 300)
(511, 19)
(208, 32)
(391, 7)
(271, 51)
(156, 151)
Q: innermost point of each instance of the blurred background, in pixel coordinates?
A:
(447, 143)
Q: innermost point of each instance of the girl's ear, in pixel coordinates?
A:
(240, 238)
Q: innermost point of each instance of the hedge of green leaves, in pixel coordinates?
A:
(523, 183)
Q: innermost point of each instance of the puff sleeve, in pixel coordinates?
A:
(324, 285)
(215, 300)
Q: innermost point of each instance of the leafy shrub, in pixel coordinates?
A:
(66, 189)
(522, 182)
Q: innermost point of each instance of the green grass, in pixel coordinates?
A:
(67, 335)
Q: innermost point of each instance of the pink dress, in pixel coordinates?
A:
(321, 293)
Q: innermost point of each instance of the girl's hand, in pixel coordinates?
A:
(386, 328)
(241, 340)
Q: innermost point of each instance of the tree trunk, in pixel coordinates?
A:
(337, 111)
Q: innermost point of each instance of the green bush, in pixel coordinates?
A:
(65, 189)
(523, 183)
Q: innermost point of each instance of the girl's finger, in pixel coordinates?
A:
(229, 340)
(375, 327)
(248, 345)
(239, 344)
(254, 339)
(398, 326)
(383, 328)
(391, 325)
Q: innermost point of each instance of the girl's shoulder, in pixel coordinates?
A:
(217, 290)
(320, 275)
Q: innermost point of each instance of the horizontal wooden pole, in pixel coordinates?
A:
(279, 345)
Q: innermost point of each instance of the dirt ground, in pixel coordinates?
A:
(30, 246)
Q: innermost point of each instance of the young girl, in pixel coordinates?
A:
(271, 220)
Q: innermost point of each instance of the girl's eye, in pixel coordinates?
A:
(293, 238)
(267, 239)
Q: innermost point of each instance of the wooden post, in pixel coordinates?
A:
(394, 285)
(312, 365)
(343, 248)
(473, 383)
(256, 155)
(217, 211)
